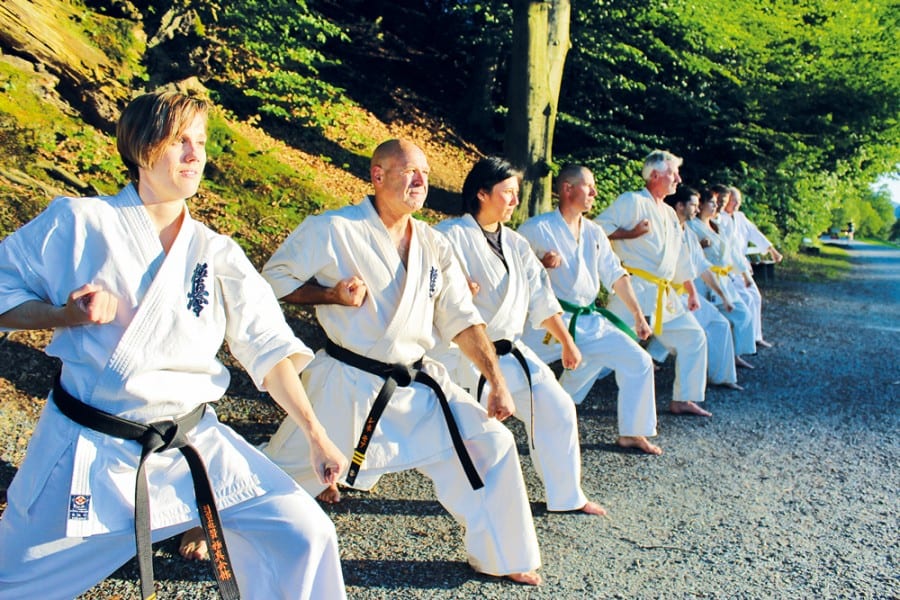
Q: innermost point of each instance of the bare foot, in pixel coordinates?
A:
(640, 442)
(193, 545)
(528, 578)
(592, 508)
(330, 495)
(740, 362)
(733, 386)
(764, 343)
(687, 408)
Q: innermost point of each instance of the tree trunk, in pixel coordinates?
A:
(479, 103)
(539, 48)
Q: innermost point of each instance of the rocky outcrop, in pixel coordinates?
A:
(47, 34)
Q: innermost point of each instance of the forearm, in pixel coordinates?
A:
(284, 386)
(622, 288)
(622, 234)
(710, 280)
(312, 293)
(475, 344)
(35, 314)
(557, 328)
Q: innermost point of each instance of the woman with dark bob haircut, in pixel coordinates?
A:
(509, 284)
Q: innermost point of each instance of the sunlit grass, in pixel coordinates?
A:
(831, 264)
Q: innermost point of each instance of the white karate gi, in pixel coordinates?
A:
(737, 232)
(586, 263)
(156, 360)
(395, 324)
(747, 233)
(505, 298)
(719, 253)
(659, 252)
(719, 339)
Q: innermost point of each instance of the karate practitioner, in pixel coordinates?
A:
(579, 259)
(646, 235)
(510, 285)
(385, 285)
(719, 338)
(740, 274)
(745, 232)
(720, 257)
(141, 297)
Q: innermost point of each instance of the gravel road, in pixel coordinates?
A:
(789, 491)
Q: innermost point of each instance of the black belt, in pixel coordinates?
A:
(157, 437)
(504, 347)
(402, 375)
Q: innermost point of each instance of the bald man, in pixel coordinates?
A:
(385, 285)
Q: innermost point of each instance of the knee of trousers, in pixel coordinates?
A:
(492, 445)
(303, 522)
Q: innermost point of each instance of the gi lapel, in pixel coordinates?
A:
(420, 277)
(513, 292)
(165, 291)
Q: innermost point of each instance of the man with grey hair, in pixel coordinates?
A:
(647, 236)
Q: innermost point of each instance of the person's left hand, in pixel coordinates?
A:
(500, 403)
(571, 356)
(693, 303)
(642, 328)
(327, 460)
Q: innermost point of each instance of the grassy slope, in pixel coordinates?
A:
(259, 184)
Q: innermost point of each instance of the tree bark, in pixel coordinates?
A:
(539, 48)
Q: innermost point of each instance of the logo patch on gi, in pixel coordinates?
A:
(432, 282)
(79, 507)
(197, 297)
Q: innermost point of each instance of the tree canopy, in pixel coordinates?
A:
(795, 102)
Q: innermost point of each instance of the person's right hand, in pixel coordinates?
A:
(551, 260)
(351, 291)
(90, 305)
(643, 227)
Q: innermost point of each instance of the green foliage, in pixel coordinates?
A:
(796, 103)
(32, 129)
(260, 190)
(271, 54)
(871, 213)
(831, 264)
(117, 39)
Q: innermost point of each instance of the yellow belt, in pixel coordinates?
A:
(721, 270)
(661, 285)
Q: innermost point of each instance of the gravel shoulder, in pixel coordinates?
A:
(790, 490)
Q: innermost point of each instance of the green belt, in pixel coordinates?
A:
(585, 310)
